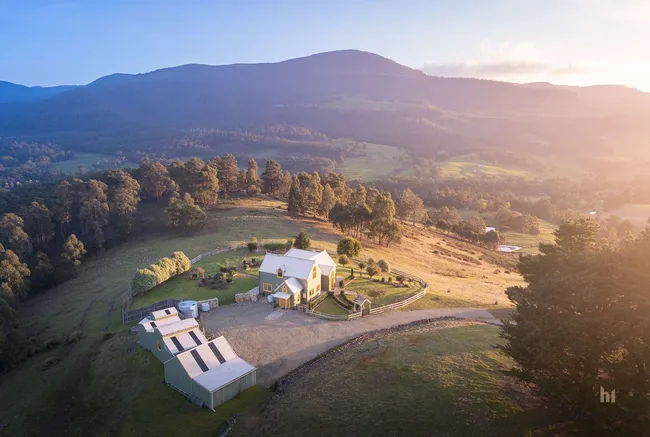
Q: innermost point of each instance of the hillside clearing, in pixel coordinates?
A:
(438, 378)
(91, 303)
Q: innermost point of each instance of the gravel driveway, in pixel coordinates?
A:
(277, 342)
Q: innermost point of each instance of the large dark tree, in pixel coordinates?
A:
(272, 178)
(228, 172)
(13, 235)
(581, 324)
(154, 179)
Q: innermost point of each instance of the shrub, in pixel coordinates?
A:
(390, 279)
(384, 266)
(274, 247)
(400, 279)
(371, 261)
(245, 267)
(74, 337)
(383, 280)
(50, 361)
(183, 263)
(223, 269)
(252, 244)
(288, 244)
(348, 246)
(253, 261)
(341, 283)
(302, 241)
(362, 266)
(344, 260)
(229, 280)
(351, 273)
(107, 336)
(143, 281)
(372, 269)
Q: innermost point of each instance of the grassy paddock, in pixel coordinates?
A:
(328, 306)
(383, 293)
(443, 378)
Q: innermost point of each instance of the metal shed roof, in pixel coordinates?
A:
(161, 314)
(296, 267)
(149, 325)
(186, 340)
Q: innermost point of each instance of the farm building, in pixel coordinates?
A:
(168, 340)
(157, 318)
(210, 374)
(297, 277)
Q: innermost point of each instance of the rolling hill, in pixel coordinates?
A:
(11, 92)
(342, 94)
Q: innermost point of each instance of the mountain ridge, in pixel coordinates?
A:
(348, 93)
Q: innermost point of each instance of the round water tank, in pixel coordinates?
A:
(205, 307)
(189, 308)
(269, 298)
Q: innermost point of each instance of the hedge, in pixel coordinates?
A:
(166, 268)
(318, 300)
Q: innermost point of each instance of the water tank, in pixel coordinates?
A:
(205, 307)
(189, 308)
(269, 298)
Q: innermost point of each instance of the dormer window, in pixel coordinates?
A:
(280, 273)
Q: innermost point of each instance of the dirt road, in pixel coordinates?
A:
(277, 342)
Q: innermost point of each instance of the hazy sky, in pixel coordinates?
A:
(561, 41)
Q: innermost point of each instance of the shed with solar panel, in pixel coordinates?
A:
(168, 340)
(210, 374)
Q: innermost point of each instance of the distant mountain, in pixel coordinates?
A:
(345, 93)
(11, 92)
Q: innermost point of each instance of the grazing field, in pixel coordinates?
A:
(104, 385)
(529, 243)
(459, 167)
(381, 162)
(440, 378)
(87, 160)
(182, 287)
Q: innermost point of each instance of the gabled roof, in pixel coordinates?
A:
(292, 284)
(183, 325)
(360, 300)
(161, 314)
(296, 267)
(217, 377)
(321, 258)
(184, 340)
(149, 325)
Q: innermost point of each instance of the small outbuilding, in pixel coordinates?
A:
(168, 340)
(156, 319)
(210, 374)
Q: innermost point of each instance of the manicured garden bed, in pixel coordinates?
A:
(182, 287)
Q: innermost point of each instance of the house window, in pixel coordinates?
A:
(267, 287)
(280, 273)
(304, 295)
(318, 287)
(313, 275)
(284, 288)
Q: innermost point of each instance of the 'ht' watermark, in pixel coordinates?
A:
(607, 397)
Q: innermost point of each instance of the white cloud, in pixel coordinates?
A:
(513, 61)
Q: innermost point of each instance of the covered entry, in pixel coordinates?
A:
(362, 304)
(282, 300)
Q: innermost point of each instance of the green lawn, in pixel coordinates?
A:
(182, 287)
(383, 293)
(439, 379)
(329, 306)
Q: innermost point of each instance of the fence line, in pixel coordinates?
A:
(140, 313)
(396, 305)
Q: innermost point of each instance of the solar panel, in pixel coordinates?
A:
(195, 338)
(177, 344)
(153, 324)
(199, 360)
(216, 353)
(168, 312)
